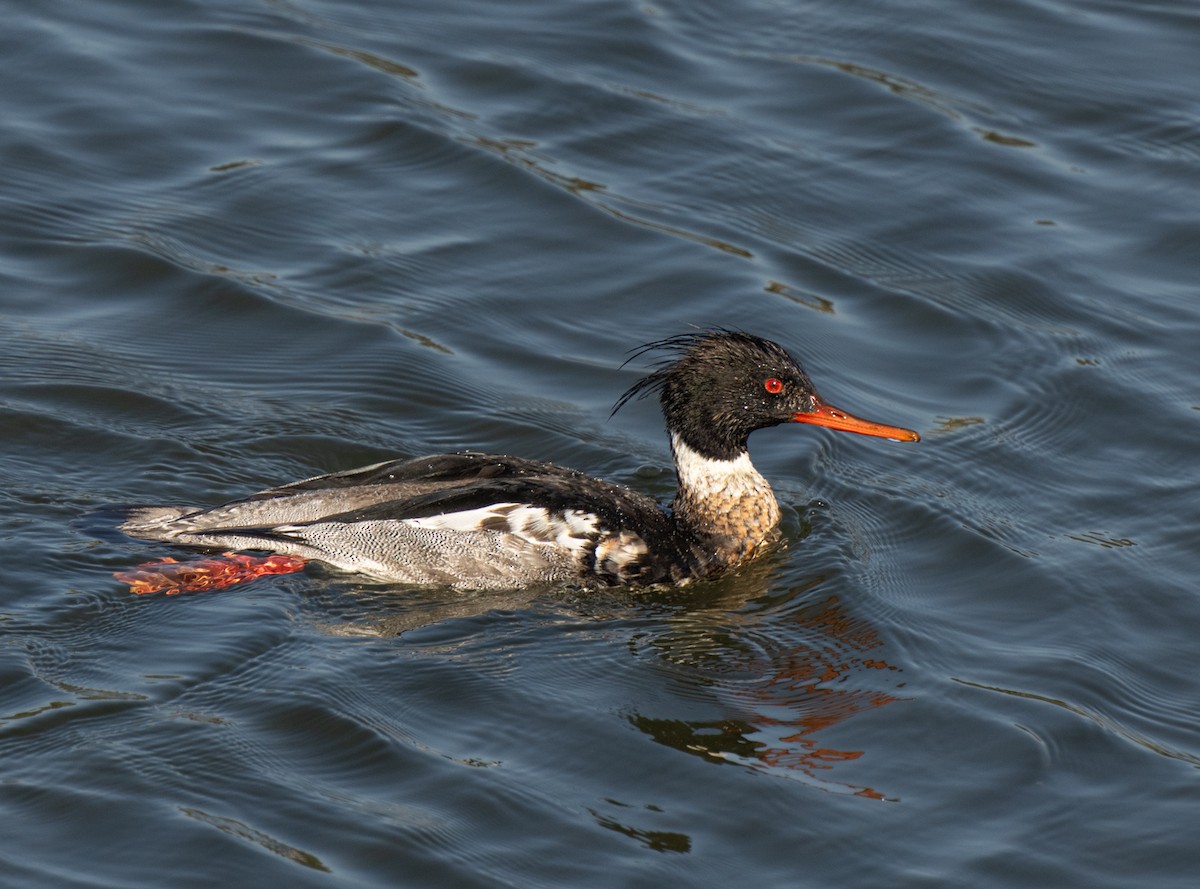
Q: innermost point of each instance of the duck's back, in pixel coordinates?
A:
(466, 520)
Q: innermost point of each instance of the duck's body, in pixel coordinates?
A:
(477, 521)
(473, 521)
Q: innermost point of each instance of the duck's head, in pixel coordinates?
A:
(721, 385)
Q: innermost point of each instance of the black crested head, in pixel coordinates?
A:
(717, 386)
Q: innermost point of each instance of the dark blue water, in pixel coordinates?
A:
(246, 243)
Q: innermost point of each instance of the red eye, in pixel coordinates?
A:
(774, 385)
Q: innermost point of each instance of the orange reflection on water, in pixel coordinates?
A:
(800, 682)
(801, 689)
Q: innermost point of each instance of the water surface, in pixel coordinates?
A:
(246, 243)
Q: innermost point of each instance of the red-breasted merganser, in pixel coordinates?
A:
(478, 521)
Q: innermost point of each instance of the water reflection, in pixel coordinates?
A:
(391, 611)
(655, 840)
(770, 669)
(788, 676)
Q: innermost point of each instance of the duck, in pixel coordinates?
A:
(476, 521)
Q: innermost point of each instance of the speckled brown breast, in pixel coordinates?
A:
(727, 504)
(736, 526)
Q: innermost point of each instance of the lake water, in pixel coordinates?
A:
(244, 243)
